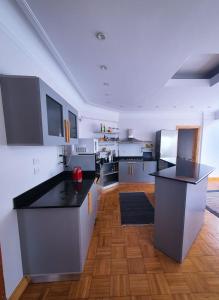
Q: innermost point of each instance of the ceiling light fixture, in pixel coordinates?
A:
(106, 83)
(103, 67)
(100, 36)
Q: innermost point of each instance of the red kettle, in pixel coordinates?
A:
(77, 174)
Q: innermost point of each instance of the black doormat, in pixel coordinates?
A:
(135, 209)
(212, 203)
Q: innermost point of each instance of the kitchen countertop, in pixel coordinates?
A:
(57, 192)
(186, 171)
(134, 158)
(171, 160)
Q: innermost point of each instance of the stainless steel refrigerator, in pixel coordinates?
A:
(166, 144)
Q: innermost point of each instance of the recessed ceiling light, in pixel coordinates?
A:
(100, 35)
(103, 67)
(106, 83)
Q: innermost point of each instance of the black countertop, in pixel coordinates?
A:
(135, 158)
(57, 192)
(185, 171)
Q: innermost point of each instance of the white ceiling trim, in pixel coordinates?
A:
(49, 44)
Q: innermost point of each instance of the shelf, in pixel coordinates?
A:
(107, 142)
(105, 132)
(111, 162)
(111, 173)
(110, 182)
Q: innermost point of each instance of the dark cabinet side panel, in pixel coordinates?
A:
(23, 116)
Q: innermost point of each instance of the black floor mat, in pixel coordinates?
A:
(212, 202)
(135, 209)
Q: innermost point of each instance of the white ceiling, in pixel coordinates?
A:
(146, 42)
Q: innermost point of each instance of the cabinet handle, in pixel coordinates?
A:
(69, 133)
(90, 206)
(66, 130)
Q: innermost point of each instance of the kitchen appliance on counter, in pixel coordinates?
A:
(77, 174)
(87, 146)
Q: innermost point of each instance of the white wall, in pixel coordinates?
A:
(210, 143)
(90, 120)
(22, 53)
(146, 124)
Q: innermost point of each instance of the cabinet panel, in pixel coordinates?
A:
(71, 115)
(73, 125)
(54, 117)
(149, 167)
(87, 221)
(137, 171)
(125, 172)
(22, 110)
(35, 114)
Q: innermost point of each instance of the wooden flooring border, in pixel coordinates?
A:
(21, 287)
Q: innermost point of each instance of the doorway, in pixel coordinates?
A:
(188, 142)
(2, 285)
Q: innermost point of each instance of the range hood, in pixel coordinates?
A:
(130, 138)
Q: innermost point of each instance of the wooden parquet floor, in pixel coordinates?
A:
(122, 262)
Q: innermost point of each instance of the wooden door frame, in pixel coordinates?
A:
(197, 142)
(2, 284)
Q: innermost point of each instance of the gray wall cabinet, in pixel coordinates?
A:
(137, 171)
(35, 114)
(55, 241)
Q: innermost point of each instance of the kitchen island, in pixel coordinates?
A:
(56, 220)
(180, 193)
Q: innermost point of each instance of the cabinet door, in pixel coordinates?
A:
(149, 167)
(54, 117)
(84, 232)
(125, 172)
(95, 195)
(72, 118)
(52, 110)
(70, 123)
(137, 171)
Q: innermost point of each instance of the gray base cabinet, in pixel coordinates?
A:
(55, 241)
(179, 215)
(35, 114)
(137, 171)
